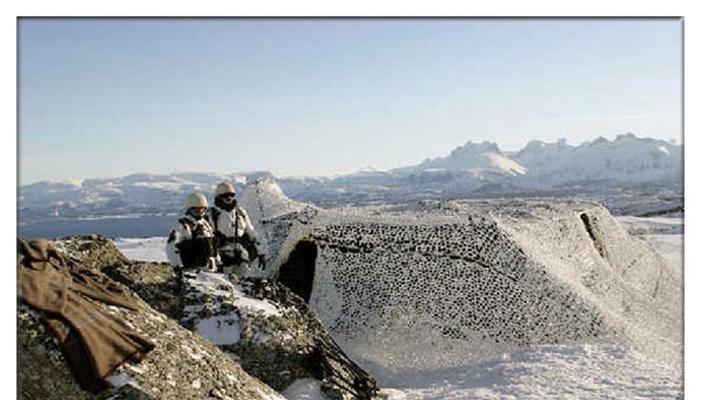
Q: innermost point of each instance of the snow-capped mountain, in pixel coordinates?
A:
(471, 170)
(478, 169)
(135, 194)
(626, 159)
(480, 160)
(542, 165)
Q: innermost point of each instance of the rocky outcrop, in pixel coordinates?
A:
(271, 332)
(182, 365)
(156, 283)
(92, 251)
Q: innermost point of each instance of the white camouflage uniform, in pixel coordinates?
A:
(232, 226)
(181, 233)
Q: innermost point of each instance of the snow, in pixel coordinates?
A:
(304, 389)
(122, 378)
(669, 246)
(664, 234)
(220, 329)
(263, 307)
(652, 225)
(505, 164)
(582, 371)
(143, 249)
(169, 186)
(212, 283)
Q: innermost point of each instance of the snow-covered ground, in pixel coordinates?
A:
(652, 225)
(581, 371)
(669, 246)
(143, 249)
(664, 234)
(576, 371)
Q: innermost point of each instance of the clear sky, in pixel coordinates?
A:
(108, 97)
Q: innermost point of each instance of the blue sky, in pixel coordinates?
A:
(108, 97)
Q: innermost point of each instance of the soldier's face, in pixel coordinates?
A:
(197, 211)
(228, 198)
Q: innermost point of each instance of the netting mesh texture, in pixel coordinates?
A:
(445, 284)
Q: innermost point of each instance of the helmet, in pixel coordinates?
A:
(196, 200)
(224, 188)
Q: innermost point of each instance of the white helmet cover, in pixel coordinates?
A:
(196, 200)
(223, 188)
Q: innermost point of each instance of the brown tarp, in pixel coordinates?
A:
(94, 341)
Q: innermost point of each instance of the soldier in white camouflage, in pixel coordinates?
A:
(236, 239)
(190, 244)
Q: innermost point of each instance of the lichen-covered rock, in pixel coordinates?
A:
(270, 341)
(42, 372)
(341, 377)
(156, 283)
(271, 332)
(93, 251)
(183, 365)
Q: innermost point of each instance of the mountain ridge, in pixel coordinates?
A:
(472, 170)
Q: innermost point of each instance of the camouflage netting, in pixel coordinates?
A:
(445, 284)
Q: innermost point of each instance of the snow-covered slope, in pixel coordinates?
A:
(539, 164)
(479, 159)
(626, 159)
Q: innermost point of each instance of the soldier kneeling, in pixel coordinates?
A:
(190, 246)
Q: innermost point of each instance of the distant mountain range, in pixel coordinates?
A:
(472, 170)
(482, 169)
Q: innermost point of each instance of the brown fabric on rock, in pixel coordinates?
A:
(96, 342)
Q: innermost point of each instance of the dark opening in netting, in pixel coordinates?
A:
(297, 273)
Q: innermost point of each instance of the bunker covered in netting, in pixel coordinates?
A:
(441, 285)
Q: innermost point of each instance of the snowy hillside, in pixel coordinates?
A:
(526, 299)
(645, 174)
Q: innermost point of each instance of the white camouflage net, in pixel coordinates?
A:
(447, 284)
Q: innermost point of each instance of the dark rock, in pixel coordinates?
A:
(271, 332)
(93, 251)
(183, 365)
(156, 284)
